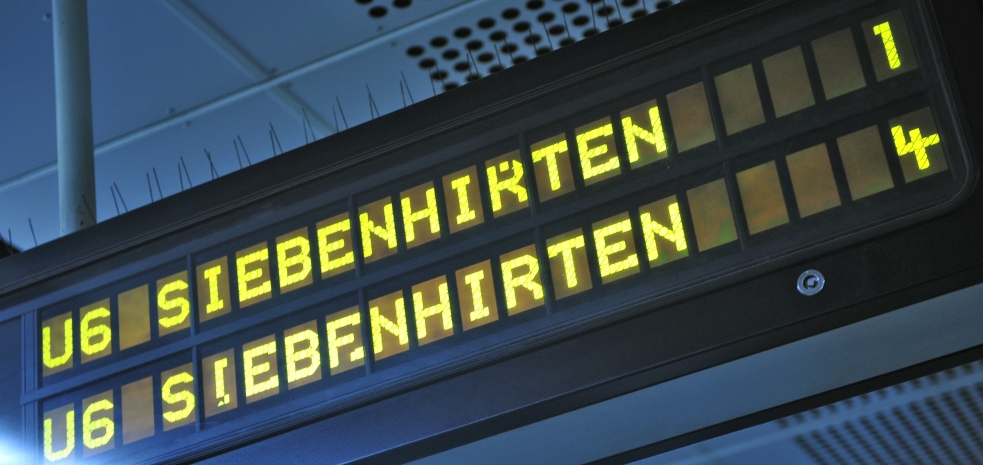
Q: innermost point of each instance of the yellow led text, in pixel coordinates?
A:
(302, 356)
(427, 215)
(386, 233)
(607, 248)
(334, 245)
(589, 153)
(351, 324)
(522, 273)
(293, 260)
(917, 145)
(47, 356)
(253, 271)
(50, 454)
(173, 306)
(441, 308)
(98, 432)
(635, 133)
(884, 30)
(265, 355)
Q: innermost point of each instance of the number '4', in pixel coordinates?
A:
(917, 145)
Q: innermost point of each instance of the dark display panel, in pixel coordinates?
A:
(819, 137)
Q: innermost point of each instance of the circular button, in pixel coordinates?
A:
(810, 282)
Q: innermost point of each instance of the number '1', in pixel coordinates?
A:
(884, 30)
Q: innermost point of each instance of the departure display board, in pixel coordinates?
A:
(818, 136)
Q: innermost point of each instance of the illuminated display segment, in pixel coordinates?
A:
(476, 295)
(917, 143)
(644, 137)
(345, 350)
(568, 263)
(134, 316)
(890, 49)
(788, 82)
(177, 395)
(97, 424)
(390, 335)
(740, 103)
(334, 241)
(421, 222)
(615, 244)
(302, 354)
(551, 165)
(214, 298)
(662, 223)
(253, 275)
(506, 184)
(173, 304)
(889, 45)
(259, 367)
(57, 345)
(95, 332)
(59, 434)
(690, 113)
(522, 281)
(98, 428)
(432, 308)
(812, 180)
(378, 225)
(293, 260)
(761, 196)
(463, 198)
(864, 162)
(598, 153)
(839, 65)
(219, 380)
(713, 220)
(138, 410)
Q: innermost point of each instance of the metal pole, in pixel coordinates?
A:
(73, 98)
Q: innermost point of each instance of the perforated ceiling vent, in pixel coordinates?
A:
(522, 30)
(937, 419)
(380, 8)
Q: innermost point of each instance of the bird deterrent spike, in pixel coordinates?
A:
(273, 133)
(114, 196)
(121, 197)
(408, 91)
(159, 191)
(185, 165)
(244, 152)
(29, 223)
(150, 188)
(342, 111)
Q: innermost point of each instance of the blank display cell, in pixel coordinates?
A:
(839, 65)
(712, 218)
(812, 180)
(739, 99)
(788, 82)
(864, 162)
(761, 195)
(690, 113)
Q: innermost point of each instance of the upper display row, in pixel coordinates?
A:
(123, 319)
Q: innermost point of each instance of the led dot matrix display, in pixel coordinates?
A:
(643, 189)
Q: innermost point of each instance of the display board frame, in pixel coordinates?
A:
(43, 277)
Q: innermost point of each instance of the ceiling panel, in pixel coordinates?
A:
(145, 62)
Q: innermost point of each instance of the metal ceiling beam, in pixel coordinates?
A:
(245, 62)
(246, 92)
